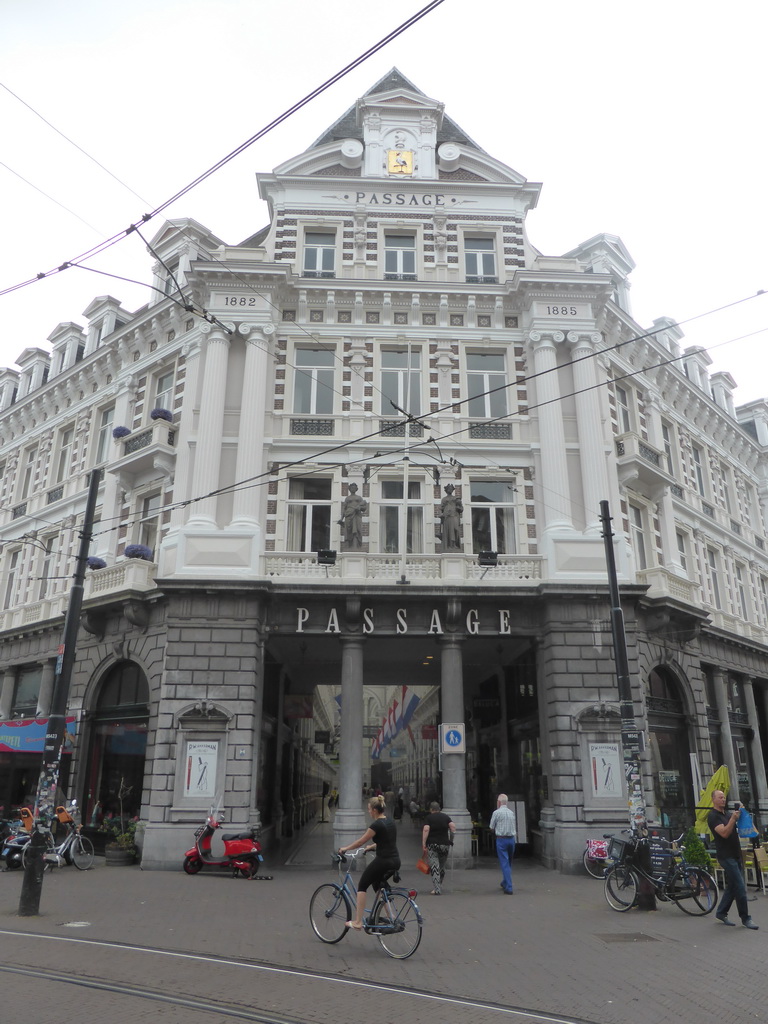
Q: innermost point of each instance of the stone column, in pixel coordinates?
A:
(250, 442)
(210, 427)
(350, 821)
(554, 465)
(6, 693)
(721, 695)
(594, 468)
(46, 690)
(453, 766)
(756, 749)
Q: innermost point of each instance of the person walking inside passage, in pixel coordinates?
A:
(436, 842)
(382, 835)
(728, 852)
(503, 823)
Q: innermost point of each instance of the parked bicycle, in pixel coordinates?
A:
(394, 918)
(74, 848)
(690, 887)
(596, 859)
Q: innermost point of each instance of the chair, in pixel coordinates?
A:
(761, 863)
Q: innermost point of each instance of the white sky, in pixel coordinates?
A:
(644, 120)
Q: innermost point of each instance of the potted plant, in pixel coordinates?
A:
(138, 551)
(162, 414)
(94, 562)
(121, 848)
(120, 432)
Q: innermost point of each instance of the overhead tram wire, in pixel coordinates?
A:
(118, 236)
(56, 201)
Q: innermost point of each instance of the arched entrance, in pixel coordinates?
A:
(118, 744)
(669, 742)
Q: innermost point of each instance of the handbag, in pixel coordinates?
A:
(422, 865)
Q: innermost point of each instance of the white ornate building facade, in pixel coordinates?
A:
(392, 328)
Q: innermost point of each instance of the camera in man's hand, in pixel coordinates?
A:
(736, 805)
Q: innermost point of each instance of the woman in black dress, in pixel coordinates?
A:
(382, 835)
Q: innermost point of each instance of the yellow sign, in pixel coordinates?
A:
(400, 161)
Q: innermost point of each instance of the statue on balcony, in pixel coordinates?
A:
(353, 508)
(449, 515)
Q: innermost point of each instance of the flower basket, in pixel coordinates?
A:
(139, 551)
(120, 432)
(95, 563)
(161, 414)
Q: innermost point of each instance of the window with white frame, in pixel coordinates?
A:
(682, 551)
(401, 381)
(713, 563)
(319, 254)
(11, 578)
(45, 566)
(764, 596)
(309, 514)
(637, 531)
(486, 384)
(164, 391)
(480, 260)
(313, 381)
(741, 590)
(104, 436)
(725, 488)
(149, 525)
(668, 438)
(623, 409)
(65, 455)
(394, 511)
(171, 271)
(399, 257)
(698, 469)
(492, 509)
(27, 473)
(27, 690)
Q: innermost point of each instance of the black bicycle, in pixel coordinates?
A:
(690, 887)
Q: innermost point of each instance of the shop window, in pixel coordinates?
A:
(669, 744)
(309, 514)
(493, 516)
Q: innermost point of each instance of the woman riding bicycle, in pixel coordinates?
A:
(382, 835)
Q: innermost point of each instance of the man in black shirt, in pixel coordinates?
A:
(728, 850)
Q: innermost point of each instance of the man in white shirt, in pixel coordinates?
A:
(503, 823)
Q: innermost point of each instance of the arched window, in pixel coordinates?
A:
(669, 743)
(118, 745)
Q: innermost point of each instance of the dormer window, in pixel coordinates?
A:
(319, 254)
(399, 258)
(172, 271)
(480, 260)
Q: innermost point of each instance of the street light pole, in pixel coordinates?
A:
(45, 801)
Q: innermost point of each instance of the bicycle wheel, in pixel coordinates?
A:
(694, 891)
(401, 912)
(329, 911)
(27, 855)
(620, 888)
(82, 852)
(595, 866)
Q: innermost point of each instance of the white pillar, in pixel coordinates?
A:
(756, 749)
(45, 695)
(454, 771)
(6, 693)
(349, 822)
(250, 442)
(210, 426)
(554, 465)
(594, 468)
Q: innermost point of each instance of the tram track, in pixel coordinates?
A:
(444, 1005)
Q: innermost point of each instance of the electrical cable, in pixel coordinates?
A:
(56, 201)
(118, 236)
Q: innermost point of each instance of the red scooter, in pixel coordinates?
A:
(242, 851)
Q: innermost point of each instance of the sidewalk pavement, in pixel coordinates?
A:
(555, 946)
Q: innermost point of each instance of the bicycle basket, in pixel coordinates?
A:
(618, 850)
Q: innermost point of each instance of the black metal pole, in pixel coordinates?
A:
(45, 802)
(632, 739)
